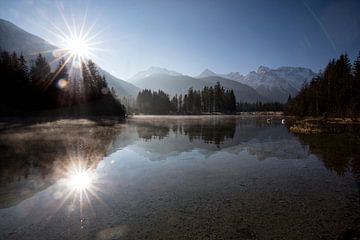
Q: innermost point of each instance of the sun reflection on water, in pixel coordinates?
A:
(80, 186)
(80, 180)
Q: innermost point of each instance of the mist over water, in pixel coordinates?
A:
(217, 177)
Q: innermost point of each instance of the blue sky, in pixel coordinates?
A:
(189, 36)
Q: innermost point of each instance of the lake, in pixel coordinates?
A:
(219, 177)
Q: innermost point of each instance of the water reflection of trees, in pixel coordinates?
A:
(339, 152)
(212, 131)
(152, 130)
(215, 131)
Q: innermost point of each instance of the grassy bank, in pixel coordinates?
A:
(315, 125)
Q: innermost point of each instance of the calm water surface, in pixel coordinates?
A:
(177, 178)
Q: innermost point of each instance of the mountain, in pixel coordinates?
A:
(206, 73)
(242, 91)
(122, 88)
(180, 84)
(278, 84)
(232, 75)
(153, 71)
(272, 84)
(294, 76)
(13, 38)
(170, 84)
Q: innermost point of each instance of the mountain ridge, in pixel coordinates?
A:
(271, 84)
(152, 70)
(274, 84)
(180, 85)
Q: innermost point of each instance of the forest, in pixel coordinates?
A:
(34, 88)
(209, 100)
(259, 107)
(335, 92)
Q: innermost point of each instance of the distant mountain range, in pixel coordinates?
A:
(152, 71)
(13, 38)
(263, 85)
(274, 84)
(179, 84)
(279, 83)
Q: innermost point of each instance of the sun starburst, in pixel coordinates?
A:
(79, 184)
(80, 179)
(77, 46)
(77, 42)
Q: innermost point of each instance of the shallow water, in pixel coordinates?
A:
(177, 178)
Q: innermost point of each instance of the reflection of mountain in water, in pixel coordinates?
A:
(33, 156)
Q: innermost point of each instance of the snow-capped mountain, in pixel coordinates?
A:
(278, 84)
(235, 76)
(180, 84)
(274, 84)
(232, 75)
(152, 71)
(207, 73)
(294, 76)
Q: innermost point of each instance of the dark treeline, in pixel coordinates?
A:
(259, 107)
(34, 87)
(153, 102)
(208, 100)
(334, 92)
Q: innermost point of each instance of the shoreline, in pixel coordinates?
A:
(210, 114)
(317, 125)
(95, 118)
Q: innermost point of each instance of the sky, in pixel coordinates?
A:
(190, 35)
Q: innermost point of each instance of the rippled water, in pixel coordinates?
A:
(177, 178)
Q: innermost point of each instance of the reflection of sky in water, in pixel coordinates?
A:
(142, 185)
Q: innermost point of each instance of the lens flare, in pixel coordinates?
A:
(62, 83)
(105, 90)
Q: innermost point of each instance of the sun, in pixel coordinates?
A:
(77, 42)
(77, 47)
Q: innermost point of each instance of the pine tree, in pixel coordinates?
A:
(211, 99)
(180, 104)
(175, 104)
(40, 72)
(334, 92)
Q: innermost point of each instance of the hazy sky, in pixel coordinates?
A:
(189, 36)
